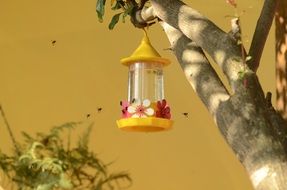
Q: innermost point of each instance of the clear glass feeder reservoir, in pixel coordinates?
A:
(145, 82)
(146, 108)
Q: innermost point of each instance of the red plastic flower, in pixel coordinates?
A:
(125, 105)
(163, 110)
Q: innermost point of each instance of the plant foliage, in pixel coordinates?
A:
(46, 162)
(123, 8)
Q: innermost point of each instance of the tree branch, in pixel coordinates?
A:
(197, 69)
(277, 122)
(261, 33)
(141, 17)
(243, 117)
(221, 46)
(235, 29)
(240, 118)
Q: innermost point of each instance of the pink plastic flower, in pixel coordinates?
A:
(139, 110)
(125, 113)
(163, 110)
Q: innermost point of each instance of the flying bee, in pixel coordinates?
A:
(185, 114)
(54, 42)
(99, 109)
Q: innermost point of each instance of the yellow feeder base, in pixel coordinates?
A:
(149, 124)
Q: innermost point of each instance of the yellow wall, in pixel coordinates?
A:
(42, 85)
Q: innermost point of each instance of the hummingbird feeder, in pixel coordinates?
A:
(146, 109)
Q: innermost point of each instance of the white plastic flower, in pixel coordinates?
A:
(139, 110)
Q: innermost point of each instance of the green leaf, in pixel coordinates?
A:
(241, 74)
(84, 140)
(127, 12)
(68, 125)
(114, 21)
(64, 182)
(115, 177)
(27, 137)
(118, 5)
(100, 9)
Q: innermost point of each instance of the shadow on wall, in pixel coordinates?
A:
(281, 57)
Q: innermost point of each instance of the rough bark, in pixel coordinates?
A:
(195, 66)
(204, 33)
(243, 121)
(246, 119)
(281, 57)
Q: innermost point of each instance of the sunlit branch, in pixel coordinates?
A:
(142, 17)
(235, 29)
(218, 44)
(197, 69)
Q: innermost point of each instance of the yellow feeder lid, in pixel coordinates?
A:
(149, 124)
(145, 52)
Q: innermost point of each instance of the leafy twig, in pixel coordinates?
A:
(9, 130)
(47, 164)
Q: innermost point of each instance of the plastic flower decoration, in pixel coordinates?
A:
(140, 110)
(163, 110)
(125, 105)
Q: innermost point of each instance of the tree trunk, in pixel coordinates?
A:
(245, 117)
(281, 57)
